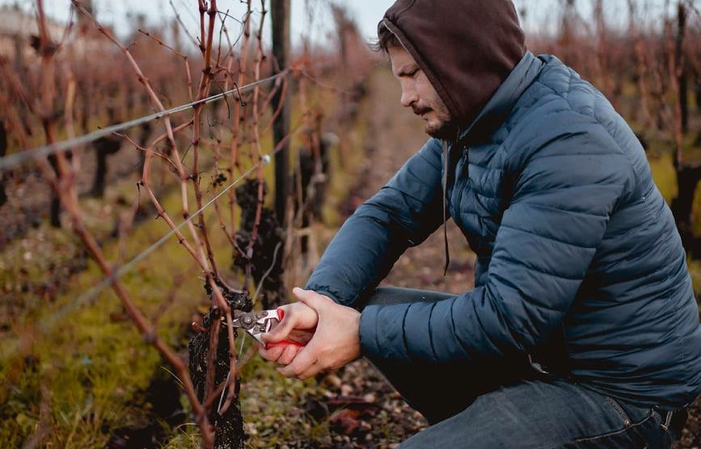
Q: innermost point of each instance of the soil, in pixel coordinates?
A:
(29, 195)
(362, 409)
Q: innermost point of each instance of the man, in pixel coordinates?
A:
(582, 329)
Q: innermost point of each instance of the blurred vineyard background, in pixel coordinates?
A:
(179, 174)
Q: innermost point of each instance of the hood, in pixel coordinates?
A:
(466, 48)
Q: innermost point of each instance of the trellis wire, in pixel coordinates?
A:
(16, 159)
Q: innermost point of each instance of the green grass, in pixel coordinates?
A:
(89, 356)
(272, 408)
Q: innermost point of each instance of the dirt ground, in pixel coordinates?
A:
(363, 410)
(28, 194)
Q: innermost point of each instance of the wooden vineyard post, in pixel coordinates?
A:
(280, 15)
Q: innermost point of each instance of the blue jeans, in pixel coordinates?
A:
(509, 404)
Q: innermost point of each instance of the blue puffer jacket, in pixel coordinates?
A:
(553, 192)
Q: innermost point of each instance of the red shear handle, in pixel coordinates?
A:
(281, 315)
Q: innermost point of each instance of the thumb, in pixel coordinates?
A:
(279, 331)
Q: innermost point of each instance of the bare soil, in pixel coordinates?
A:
(29, 195)
(362, 409)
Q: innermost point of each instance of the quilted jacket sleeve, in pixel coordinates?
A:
(402, 214)
(568, 178)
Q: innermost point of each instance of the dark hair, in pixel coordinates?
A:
(385, 39)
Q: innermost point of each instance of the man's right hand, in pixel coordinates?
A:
(297, 325)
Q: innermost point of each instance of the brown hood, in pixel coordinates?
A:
(466, 48)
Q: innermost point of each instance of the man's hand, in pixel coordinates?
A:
(298, 325)
(334, 333)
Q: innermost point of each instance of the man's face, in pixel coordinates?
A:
(418, 93)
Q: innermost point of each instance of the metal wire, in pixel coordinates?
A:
(22, 157)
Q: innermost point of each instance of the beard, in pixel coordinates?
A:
(440, 127)
(441, 130)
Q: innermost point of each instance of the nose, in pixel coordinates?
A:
(408, 94)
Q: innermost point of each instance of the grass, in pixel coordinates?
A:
(90, 358)
(272, 407)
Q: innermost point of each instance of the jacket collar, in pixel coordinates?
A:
(489, 119)
(502, 102)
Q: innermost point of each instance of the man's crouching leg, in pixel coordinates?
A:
(543, 414)
(439, 391)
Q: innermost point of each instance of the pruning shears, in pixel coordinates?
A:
(257, 323)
